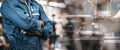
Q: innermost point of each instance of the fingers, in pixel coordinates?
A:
(41, 22)
(24, 32)
(37, 33)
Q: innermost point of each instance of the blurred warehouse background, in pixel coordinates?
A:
(81, 24)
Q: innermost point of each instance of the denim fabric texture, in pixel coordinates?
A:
(17, 16)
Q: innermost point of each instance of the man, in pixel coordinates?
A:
(25, 24)
(69, 29)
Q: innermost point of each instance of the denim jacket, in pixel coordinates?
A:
(17, 16)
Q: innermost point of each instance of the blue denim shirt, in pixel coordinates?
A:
(17, 16)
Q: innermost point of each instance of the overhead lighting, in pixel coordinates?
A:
(55, 4)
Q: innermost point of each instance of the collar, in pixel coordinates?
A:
(22, 1)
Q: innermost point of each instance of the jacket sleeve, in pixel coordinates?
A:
(48, 28)
(18, 18)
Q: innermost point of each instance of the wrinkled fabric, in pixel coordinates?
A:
(17, 16)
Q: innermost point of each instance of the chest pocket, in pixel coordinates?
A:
(35, 12)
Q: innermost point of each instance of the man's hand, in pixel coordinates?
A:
(41, 22)
(37, 33)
